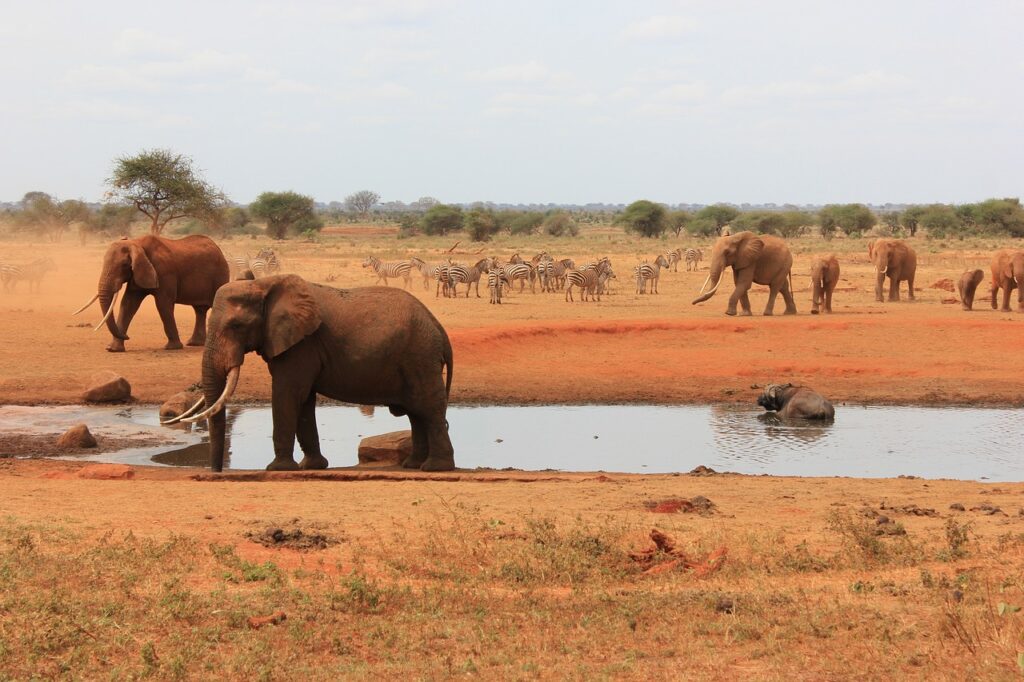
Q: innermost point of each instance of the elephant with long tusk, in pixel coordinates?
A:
(1008, 274)
(754, 259)
(184, 271)
(369, 346)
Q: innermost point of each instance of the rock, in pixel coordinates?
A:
(956, 506)
(107, 472)
(107, 387)
(76, 437)
(387, 448)
(178, 403)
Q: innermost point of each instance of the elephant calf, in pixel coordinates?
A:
(795, 402)
(967, 285)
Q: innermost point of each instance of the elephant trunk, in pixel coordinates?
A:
(218, 385)
(108, 298)
(716, 274)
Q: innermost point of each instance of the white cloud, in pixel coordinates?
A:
(137, 42)
(861, 84)
(532, 72)
(355, 12)
(658, 28)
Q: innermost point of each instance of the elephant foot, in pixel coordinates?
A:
(438, 464)
(196, 342)
(283, 464)
(745, 313)
(115, 348)
(173, 345)
(768, 313)
(814, 311)
(731, 313)
(413, 461)
(790, 312)
(315, 462)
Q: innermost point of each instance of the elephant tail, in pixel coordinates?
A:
(446, 356)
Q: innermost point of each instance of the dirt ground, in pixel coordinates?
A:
(512, 575)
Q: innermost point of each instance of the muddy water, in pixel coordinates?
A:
(979, 444)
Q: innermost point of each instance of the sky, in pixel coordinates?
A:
(564, 101)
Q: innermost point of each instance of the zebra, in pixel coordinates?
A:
(440, 274)
(495, 280)
(649, 272)
(521, 272)
(427, 271)
(673, 257)
(265, 263)
(586, 279)
(693, 256)
(32, 273)
(384, 270)
(457, 274)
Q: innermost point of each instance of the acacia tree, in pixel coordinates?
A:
(164, 186)
(286, 212)
(678, 220)
(441, 219)
(852, 219)
(361, 202)
(646, 218)
(52, 217)
(720, 214)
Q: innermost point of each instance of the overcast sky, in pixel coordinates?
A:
(549, 101)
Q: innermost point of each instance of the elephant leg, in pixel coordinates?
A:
(769, 308)
(995, 293)
(910, 287)
(198, 337)
(130, 303)
(165, 306)
(285, 410)
(1006, 299)
(309, 437)
(828, 300)
(420, 444)
(787, 297)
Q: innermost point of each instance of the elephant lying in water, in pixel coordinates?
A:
(795, 402)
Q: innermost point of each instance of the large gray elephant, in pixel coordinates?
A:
(760, 259)
(897, 260)
(184, 271)
(795, 402)
(369, 346)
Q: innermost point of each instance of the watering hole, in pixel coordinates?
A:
(864, 441)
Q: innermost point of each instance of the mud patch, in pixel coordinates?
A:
(30, 445)
(699, 505)
(303, 537)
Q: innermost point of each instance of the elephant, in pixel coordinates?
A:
(1008, 274)
(824, 278)
(895, 259)
(185, 271)
(760, 259)
(795, 402)
(368, 346)
(967, 285)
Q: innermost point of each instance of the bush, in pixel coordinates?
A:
(525, 224)
(441, 219)
(560, 224)
(702, 227)
(645, 218)
(479, 224)
(852, 219)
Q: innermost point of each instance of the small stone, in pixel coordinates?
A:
(956, 506)
(107, 387)
(724, 605)
(882, 519)
(178, 404)
(78, 436)
(387, 448)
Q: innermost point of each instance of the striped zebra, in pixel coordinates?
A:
(495, 281)
(519, 271)
(468, 274)
(673, 257)
(693, 256)
(649, 272)
(265, 263)
(32, 273)
(586, 279)
(426, 271)
(440, 274)
(395, 269)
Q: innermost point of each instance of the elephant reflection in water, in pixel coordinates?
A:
(198, 454)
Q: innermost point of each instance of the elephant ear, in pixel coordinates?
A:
(1008, 269)
(871, 250)
(748, 252)
(143, 271)
(291, 314)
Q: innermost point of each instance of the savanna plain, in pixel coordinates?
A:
(370, 573)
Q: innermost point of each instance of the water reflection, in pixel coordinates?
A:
(801, 432)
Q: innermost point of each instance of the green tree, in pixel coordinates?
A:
(763, 222)
(442, 219)
(911, 218)
(164, 186)
(526, 223)
(479, 224)
(114, 219)
(286, 212)
(795, 222)
(1001, 215)
(645, 218)
(702, 227)
(678, 220)
(721, 214)
(361, 202)
(941, 221)
(560, 224)
(852, 219)
(50, 217)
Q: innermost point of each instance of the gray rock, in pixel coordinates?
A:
(107, 387)
(178, 403)
(387, 448)
(76, 437)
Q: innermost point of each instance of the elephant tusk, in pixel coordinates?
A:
(703, 286)
(186, 413)
(229, 389)
(109, 311)
(91, 301)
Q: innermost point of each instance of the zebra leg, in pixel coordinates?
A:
(198, 337)
(309, 437)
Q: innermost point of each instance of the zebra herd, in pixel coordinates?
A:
(265, 262)
(32, 273)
